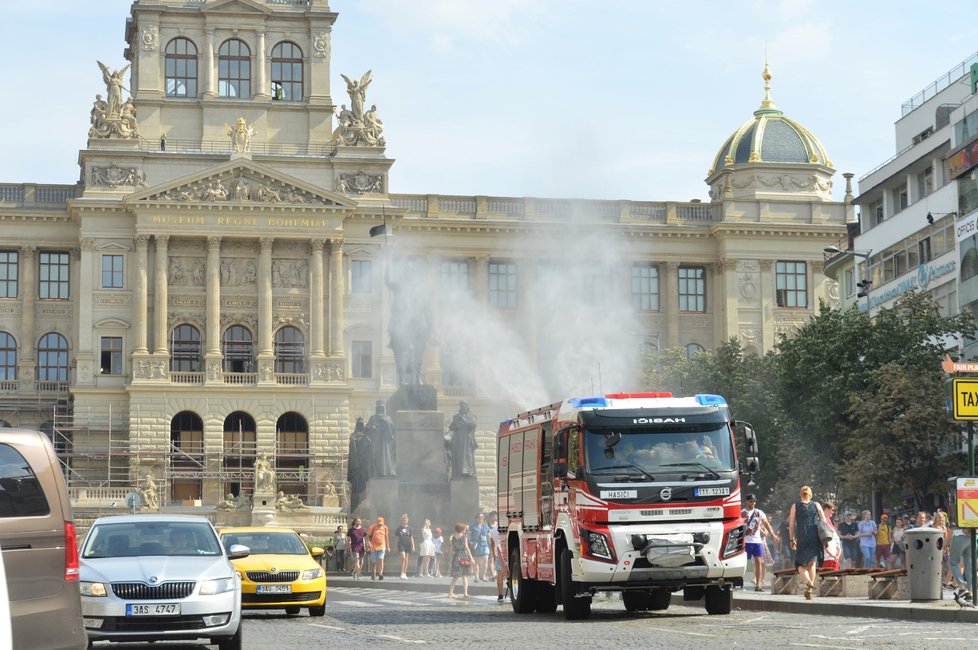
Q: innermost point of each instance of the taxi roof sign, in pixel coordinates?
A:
(965, 398)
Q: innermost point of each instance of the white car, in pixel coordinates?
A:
(160, 577)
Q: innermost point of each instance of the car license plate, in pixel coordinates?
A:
(275, 589)
(619, 494)
(153, 609)
(712, 492)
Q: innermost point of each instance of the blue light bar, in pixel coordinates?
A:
(585, 402)
(711, 400)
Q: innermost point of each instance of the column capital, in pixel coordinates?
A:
(214, 243)
(336, 245)
(161, 239)
(142, 241)
(265, 244)
(317, 245)
(28, 251)
(87, 243)
(766, 265)
(672, 267)
(729, 263)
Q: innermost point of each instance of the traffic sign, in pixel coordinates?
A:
(967, 501)
(965, 394)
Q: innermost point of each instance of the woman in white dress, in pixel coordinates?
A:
(427, 550)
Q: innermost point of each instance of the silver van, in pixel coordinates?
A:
(39, 543)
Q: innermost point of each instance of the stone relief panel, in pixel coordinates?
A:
(178, 318)
(297, 320)
(748, 282)
(240, 186)
(290, 274)
(150, 369)
(788, 326)
(187, 271)
(360, 183)
(150, 38)
(238, 272)
(250, 320)
(321, 44)
(115, 176)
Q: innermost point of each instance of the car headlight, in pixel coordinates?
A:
(311, 574)
(93, 589)
(217, 586)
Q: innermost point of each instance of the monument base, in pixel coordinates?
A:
(464, 496)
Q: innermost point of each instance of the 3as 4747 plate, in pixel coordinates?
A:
(152, 609)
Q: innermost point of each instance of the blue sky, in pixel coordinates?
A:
(619, 99)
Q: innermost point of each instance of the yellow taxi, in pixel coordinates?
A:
(280, 573)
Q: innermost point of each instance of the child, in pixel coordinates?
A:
(438, 540)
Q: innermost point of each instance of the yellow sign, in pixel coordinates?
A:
(965, 393)
(967, 498)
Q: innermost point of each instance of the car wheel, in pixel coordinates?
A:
(292, 611)
(231, 642)
(317, 611)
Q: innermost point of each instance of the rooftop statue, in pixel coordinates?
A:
(111, 117)
(356, 126)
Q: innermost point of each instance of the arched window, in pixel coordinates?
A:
(185, 349)
(239, 351)
(8, 357)
(692, 349)
(290, 350)
(287, 72)
(234, 69)
(292, 454)
(181, 68)
(52, 358)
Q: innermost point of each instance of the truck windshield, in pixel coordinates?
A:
(698, 449)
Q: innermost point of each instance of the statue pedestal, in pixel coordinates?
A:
(263, 499)
(420, 446)
(380, 500)
(464, 499)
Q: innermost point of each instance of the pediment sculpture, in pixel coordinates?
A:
(241, 188)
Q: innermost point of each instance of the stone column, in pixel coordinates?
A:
(265, 296)
(336, 348)
(160, 343)
(85, 275)
(142, 293)
(769, 305)
(210, 68)
(214, 295)
(260, 62)
(27, 289)
(480, 279)
(728, 323)
(671, 300)
(316, 302)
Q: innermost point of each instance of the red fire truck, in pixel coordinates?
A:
(631, 492)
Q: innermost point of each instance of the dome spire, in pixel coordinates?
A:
(767, 106)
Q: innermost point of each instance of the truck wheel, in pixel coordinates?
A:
(546, 597)
(718, 600)
(636, 601)
(574, 608)
(520, 589)
(659, 599)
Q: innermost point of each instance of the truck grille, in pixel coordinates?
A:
(164, 591)
(267, 576)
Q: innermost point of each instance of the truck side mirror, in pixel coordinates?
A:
(750, 438)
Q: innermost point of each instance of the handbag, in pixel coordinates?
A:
(464, 561)
(825, 532)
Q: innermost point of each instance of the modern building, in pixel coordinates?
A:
(209, 291)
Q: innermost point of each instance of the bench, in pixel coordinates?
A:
(889, 585)
(844, 583)
(784, 582)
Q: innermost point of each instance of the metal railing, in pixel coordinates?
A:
(938, 85)
(224, 146)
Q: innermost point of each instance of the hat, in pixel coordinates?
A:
(884, 516)
(751, 497)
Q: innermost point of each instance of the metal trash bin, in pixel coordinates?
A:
(924, 548)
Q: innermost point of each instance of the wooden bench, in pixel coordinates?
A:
(889, 585)
(844, 582)
(784, 582)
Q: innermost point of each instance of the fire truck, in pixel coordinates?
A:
(637, 493)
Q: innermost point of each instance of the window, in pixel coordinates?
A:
(925, 181)
(360, 359)
(112, 271)
(52, 358)
(455, 276)
(502, 284)
(692, 289)
(361, 276)
(900, 197)
(791, 284)
(8, 274)
(185, 349)
(238, 350)
(692, 349)
(234, 69)
(23, 494)
(111, 360)
(290, 350)
(645, 287)
(287, 72)
(181, 68)
(876, 209)
(923, 250)
(8, 357)
(53, 276)
(849, 283)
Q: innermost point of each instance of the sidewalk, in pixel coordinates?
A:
(935, 611)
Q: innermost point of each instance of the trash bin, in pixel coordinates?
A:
(925, 548)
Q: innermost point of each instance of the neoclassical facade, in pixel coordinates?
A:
(210, 290)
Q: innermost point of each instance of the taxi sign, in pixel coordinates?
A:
(965, 395)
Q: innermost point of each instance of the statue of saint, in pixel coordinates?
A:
(462, 440)
(113, 89)
(410, 324)
(264, 475)
(358, 465)
(358, 94)
(380, 433)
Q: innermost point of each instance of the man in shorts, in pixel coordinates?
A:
(757, 526)
(380, 541)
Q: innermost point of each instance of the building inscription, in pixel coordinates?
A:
(260, 222)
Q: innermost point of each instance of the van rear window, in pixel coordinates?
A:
(20, 491)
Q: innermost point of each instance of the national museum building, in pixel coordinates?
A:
(209, 292)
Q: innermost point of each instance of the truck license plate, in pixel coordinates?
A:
(619, 494)
(712, 491)
(153, 609)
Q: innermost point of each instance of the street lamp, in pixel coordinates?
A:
(863, 285)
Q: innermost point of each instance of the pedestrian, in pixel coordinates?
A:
(867, 539)
(355, 538)
(884, 541)
(462, 560)
(849, 534)
(803, 530)
(479, 541)
(496, 549)
(405, 543)
(940, 523)
(832, 546)
(339, 548)
(439, 542)
(757, 526)
(959, 556)
(427, 549)
(380, 542)
(162, 142)
(898, 554)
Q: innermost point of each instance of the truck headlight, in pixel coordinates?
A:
(735, 542)
(219, 586)
(93, 589)
(597, 545)
(311, 574)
